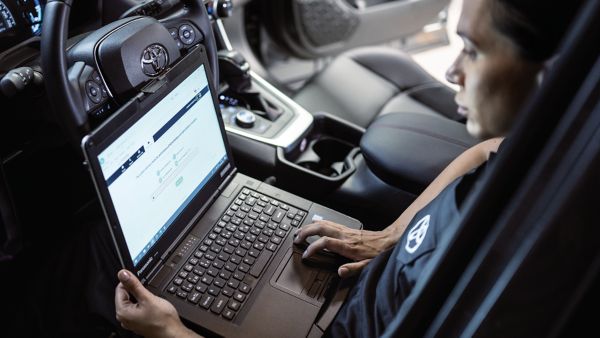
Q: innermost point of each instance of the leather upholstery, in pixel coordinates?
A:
(408, 150)
(414, 129)
(364, 83)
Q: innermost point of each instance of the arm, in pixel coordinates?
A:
(150, 316)
(363, 245)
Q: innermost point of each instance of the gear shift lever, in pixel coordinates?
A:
(234, 69)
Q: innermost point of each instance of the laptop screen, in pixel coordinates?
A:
(156, 167)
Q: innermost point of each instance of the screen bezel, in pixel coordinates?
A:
(121, 121)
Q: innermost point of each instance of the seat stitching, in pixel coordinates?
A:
(426, 132)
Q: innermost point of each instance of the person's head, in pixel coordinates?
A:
(506, 43)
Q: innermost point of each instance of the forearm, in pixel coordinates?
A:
(468, 160)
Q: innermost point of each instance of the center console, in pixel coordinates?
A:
(315, 155)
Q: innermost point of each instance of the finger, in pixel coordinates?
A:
(121, 296)
(320, 228)
(331, 244)
(351, 269)
(133, 285)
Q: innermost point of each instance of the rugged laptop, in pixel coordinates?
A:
(215, 243)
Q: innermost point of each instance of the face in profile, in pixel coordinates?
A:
(493, 79)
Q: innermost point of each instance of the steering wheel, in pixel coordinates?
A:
(110, 64)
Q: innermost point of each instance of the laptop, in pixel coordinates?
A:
(214, 242)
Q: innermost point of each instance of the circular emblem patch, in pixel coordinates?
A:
(416, 235)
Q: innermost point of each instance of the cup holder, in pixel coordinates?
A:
(331, 150)
(326, 156)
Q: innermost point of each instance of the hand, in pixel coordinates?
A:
(151, 316)
(358, 245)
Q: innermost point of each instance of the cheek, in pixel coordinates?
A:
(488, 91)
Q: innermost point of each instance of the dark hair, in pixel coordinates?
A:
(536, 27)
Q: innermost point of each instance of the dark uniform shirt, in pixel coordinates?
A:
(388, 280)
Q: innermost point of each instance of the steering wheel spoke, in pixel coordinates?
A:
(111, 64)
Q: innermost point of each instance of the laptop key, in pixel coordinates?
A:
(228, 249)
(272, 246)
(201, 288)
(244, 268)
(234, 305)
(182, 294)
(183, 274)
(172, 289)
(278, 216)
(239, 275)
(212, 271)
(239, 296)
(254, 253)
(219, 304)
(246, 245)
(218, 264)
(207, 280)
(276, 240)
(194, 297)
(232, 283)
(228, 314)
(221, 242)
(263, 238)
(223, 256)
(227, 291)
(261, 262)
(193, 279)
(234, 242)
(206, 301)
(249, 260)
(225, 274)
(213, 290)
(178, 281)
(199, 271)
(235, 259)
(220, 282)
(245, 288)
(230, 266)
(259, 246)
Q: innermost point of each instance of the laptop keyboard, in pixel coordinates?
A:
(226, 265)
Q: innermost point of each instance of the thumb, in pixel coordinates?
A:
(133, 285)
(351, 269)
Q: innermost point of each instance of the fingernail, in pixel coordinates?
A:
(304, 254)
(124, 276)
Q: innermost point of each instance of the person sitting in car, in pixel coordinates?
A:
(506, 46)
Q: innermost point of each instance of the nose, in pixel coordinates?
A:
(454, 74)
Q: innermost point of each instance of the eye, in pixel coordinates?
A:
(470, 53)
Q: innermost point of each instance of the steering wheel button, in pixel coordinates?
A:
(174, 32)
(187, 35)
(104, 92)
(94, 93)
(96, 77)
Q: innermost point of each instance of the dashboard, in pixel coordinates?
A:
(19, 20)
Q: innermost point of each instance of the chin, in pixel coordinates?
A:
(475, 129)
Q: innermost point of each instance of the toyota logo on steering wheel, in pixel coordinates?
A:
(154, 60)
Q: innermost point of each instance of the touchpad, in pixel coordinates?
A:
(295, 277)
